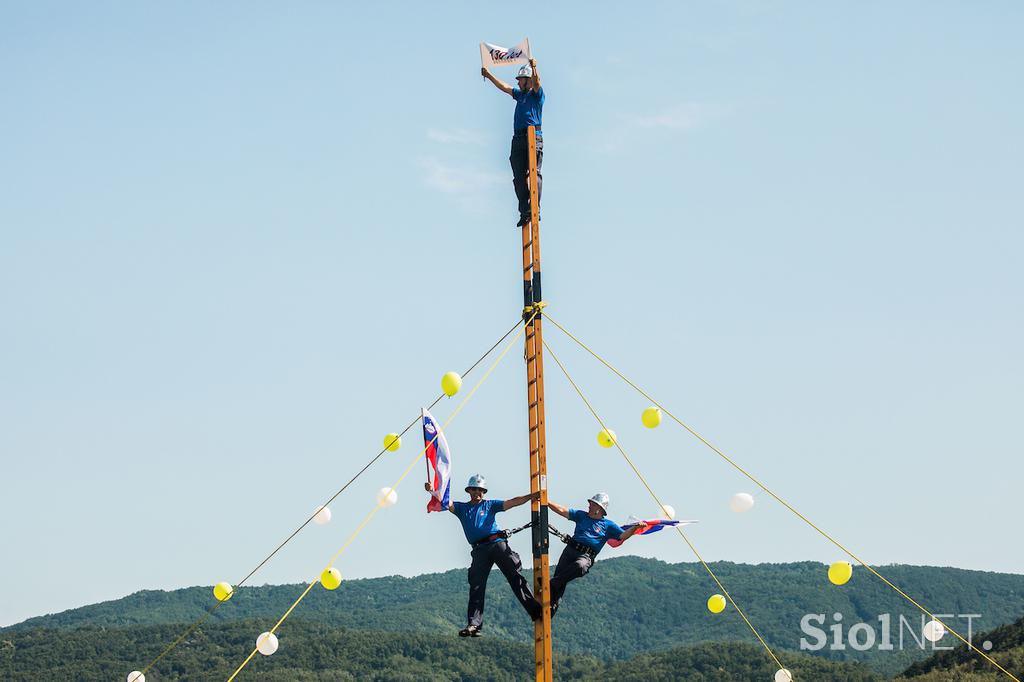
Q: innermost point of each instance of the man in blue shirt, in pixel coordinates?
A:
(593, 530)
(529, 97)
(490, 547)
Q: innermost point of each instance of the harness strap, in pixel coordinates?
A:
(502, 534)
(513, 531)
(575, 544)
(487, 539)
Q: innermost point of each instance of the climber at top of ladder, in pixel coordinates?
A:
(529, 97)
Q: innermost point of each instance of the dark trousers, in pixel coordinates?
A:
(520, 160)
(486, 556)
(571, 565)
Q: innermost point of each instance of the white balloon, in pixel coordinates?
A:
(740, 503)
(266, 643)
(783, 675)
(669, 511)
(136, 676)
(934, 631)
(386, 497)
(323, 515)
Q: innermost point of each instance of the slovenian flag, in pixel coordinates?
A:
(653, 526)
(439, 463)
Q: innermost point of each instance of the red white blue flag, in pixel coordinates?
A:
(653, 526)
(439, 463)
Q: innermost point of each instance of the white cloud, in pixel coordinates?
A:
(456, 136)
(455, 179)
(471, 189)
(682, 117)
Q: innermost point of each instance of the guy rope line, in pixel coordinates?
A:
(210, 611)
(679, 530)
(380, 503)
(783, 502)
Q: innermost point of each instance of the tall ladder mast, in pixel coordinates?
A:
(532, 306)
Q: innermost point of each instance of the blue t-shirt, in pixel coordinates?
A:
(529, 105)
(478, 519)
(593, 532)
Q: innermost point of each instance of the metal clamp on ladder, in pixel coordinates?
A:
(534, 310)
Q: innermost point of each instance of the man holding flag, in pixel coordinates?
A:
(490, 543)
(490, 547)
(592, 531)
(529, 97)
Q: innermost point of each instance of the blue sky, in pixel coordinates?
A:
(240, 244)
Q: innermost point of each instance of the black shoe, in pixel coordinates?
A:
(523, 220)
(470, 631)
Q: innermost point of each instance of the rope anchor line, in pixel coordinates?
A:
(213, 609)
(380, 502)
(679, 530)
(778, 499)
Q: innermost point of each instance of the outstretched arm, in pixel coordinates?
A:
(558, 509)
(632, 531)
(522, 499)
(451, 507)
(535, 81)
(504, 87)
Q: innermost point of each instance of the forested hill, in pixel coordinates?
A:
(1005, 645)
(319, 652)
(626, 606)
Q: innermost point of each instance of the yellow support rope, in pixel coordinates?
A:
(781, 501)
(379, 504)
(661, 506)
(210, 611)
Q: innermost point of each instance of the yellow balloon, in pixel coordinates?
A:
(716, 603)
(606, 438)
(451, 382)
(330, 578)
(840, 572)
(223, 591)
(651, 417)
(392, 442)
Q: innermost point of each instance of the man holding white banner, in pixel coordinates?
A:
(529, 97)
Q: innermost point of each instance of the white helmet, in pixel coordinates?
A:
(601, 500)
(525, 72)
(477, 481)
